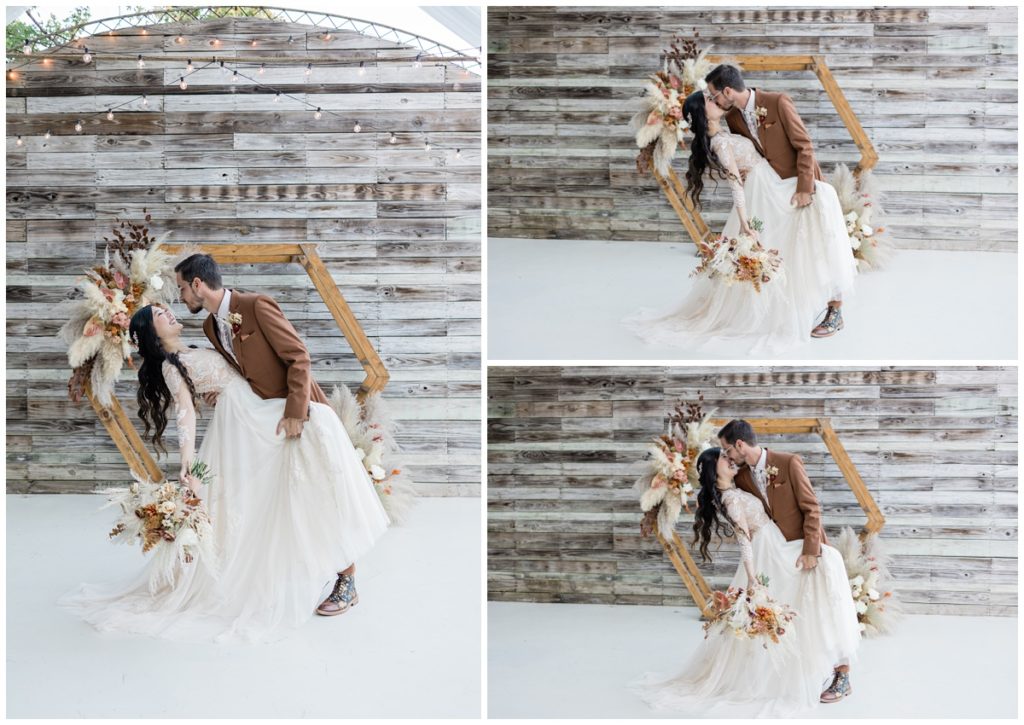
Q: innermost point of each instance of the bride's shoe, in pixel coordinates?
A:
(839, 688)
(832, 323)
(343, 598)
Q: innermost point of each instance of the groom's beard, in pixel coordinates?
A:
(194, 307)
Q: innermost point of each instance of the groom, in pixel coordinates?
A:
(778, 133)
(780, 482)
(251, 332)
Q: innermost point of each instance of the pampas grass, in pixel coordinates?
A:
(861, 201)
(871, 585)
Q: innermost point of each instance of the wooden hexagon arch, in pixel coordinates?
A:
(675, 190)
(124, 433)
(677, 552)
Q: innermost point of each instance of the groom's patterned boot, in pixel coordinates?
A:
(343, 598)
(839, 688)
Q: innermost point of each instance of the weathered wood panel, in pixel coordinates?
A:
(936, 92)
(937, 447)
(398, 226)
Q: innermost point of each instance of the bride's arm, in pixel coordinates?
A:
(185, 417)
(739, 522)
(724, 151)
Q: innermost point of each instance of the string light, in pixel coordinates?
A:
(180, 39)
(393, 139)
(78, 126)
(223, 68)
(362, 68)
(18, 141)
(291, 39)
(47, 134)
(277, 97)
(318, 114)
(141, 63)
(182, 83)
(357, 128)
(327, 36)
(86, 56)
(145, 101)
(309, 69)
(426, 144)
(263, 68)
(458, 153)
(110, 114)
(252, 43)
(189, 67)
(27, 50)
(234, 77)
(416, 63)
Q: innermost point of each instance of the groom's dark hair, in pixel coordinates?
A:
(738, 430)
(202, 266)
(726, 76)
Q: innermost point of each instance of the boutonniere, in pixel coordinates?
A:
(762, 114)
(235, 320)
(773, 474)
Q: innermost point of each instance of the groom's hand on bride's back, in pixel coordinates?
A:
(292, 427)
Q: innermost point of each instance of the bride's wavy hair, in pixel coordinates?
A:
(706, 521)
(702, 157)
(153, 396)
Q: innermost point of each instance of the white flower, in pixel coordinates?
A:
(851, 217)
(361, 453)
(178, 515)
(855, 242)
(702, 84)
(861, 607)
(378, 473)
(167, 507)
(873, 594)
(134, 488)
(187, 537)
(862, 626)
(156, 282)
(866, 230)
(857, 580)
(687, 488)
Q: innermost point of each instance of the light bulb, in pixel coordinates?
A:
(47, 134)
(252, 43)
(234, 77)
(291, 39)
(318, 114)
(263, 68)
(362, 68)
(180, 39)
(27, 50)
(426, 145)
(189, 67)
(110, 114)
(416, 63)
(357, 128)
(456, 86)
(223, 68)
(87, 56)
(78, 126)
(18, 141)
(458, 153)
(141, 63)
(327, 36)
(182, 83)
(309, 70)
(145, 101)
(393, 139)
(277, 97)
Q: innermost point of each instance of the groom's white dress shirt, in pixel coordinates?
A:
(221, 318)
(760, 474)
(750, 115)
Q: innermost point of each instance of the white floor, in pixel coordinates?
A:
(575, 660)
(565, 299)
(411, 648)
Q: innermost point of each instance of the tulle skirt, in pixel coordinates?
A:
(287, 516)
(817, 260)
(731, 675)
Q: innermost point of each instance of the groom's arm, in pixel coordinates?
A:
(291, 350)
(809, 506)
(798, 137)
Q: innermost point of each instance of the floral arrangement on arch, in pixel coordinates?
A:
(136, 272)
(670, 476)
(372, 430)
(867, 567)
(740, 259)
(659, 125)
(860, 199)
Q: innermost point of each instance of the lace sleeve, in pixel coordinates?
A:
(739, 520)
(725, 154)
(185, 414)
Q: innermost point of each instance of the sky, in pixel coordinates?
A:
(403, 16)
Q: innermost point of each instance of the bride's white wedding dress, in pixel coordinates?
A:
(817, 260)
(727, 673)
(287, 516)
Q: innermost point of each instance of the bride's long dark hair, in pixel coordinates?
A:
(706, 521)
(702, 156)
(153, 396)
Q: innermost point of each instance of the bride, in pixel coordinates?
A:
(784, 678)
(818, 265)
(286, 513)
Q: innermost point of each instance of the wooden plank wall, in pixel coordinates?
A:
(935, 89)
(398, 226)
(937, 447)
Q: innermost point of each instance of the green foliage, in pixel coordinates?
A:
(20, 32)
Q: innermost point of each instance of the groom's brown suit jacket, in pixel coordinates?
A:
(791, 502)
(782, 139)
(270, 353)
